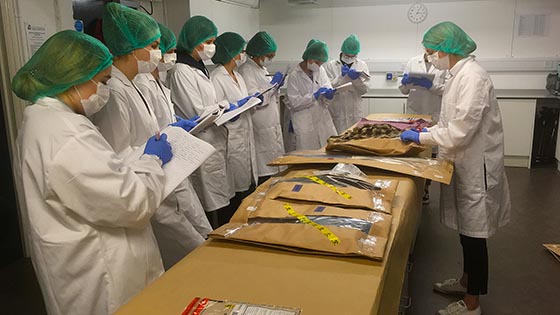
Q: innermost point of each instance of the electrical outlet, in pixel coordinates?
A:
(389, 76)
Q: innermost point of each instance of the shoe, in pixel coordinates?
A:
(459, 308)
(426, 198)
(450, 286)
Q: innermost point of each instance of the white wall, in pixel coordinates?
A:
(386, 34)
(228, 17)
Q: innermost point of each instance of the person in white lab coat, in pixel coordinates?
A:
(346, 108)
(85, 212)
(424, 96)
(267, 130)
(192, 93)
(230, 87)
(309, 94)
(470, 134)
(168, 47)
(159, 98)
(129, 119)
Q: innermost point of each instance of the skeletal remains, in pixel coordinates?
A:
(367, 131)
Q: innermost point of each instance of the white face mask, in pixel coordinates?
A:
(208, 52)
(348, 60)
(266, 62)
(97, 100)
(241, 60)
(313, 66)
(168, 62)
(439, 63)
(151, 65)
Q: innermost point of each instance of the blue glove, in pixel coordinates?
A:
(186, 124)
(329, 93)
(410, 135)
(244, 100)
(160, 148)
(423, 82)
(320, 92)
(405, 79)
(234, 107)
(352, 74)
(277, 78)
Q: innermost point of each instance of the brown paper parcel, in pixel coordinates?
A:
(376, 146)
(316, 239)
(438, 170)
(301, 188)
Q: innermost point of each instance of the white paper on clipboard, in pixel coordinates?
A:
(225, 117)
(189, 153)
(344, 87)
(419, 75)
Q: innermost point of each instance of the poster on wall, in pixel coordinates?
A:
(35, 35)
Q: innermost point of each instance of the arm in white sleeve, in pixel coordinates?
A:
(334, 73)
(300, 94)
(324, 81)
(114, 122)
(185, 94)
(93, 183)
(439, 83)
(474, 101)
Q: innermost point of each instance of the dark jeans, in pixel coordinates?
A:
(225, 214)
(475, 264)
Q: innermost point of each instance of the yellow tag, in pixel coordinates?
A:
(333, 188)
(324, 230)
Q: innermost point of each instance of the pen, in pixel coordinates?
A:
(157, 136)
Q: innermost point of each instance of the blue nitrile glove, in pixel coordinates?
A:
(233, 107)
(244, 100)
(277, 78)
(423, 82)
(352, 74)
(405, 79)
(186, 124)
(410, 135)
(329, 93)
(320, 92)
(160, 148)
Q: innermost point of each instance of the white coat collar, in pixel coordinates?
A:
(459, 65)
(54, 103)
(118, 75)
(251, 63)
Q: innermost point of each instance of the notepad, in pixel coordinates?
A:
(207, 118)
(344, 87)
(419, 75)
(189, 153)
(225, 117)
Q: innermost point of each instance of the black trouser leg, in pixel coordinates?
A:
(263, 179)
(225, 214)
(475, 264)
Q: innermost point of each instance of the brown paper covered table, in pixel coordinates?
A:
(319, 285)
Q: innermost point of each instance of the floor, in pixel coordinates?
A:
(524, 277)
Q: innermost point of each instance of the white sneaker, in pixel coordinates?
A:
(450, 286)
(459, 308)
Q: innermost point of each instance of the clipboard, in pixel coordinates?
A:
(420, 75)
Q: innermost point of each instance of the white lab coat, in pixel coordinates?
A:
(421, 100)
(241, 156)
(159, 98)
(311, 119)
(470, 134)
(87, 214)
(126, 110)
(346, 108)
(266, 118)
(192, 92)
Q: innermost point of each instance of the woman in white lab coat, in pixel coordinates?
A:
(129, 118)
(192, 93)
(470, 134)
(424, 96)
(85, 213)
(309, 94)
(346, 108)
(230, 86)
(267, 130)
(159, 98)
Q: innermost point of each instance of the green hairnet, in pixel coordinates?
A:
(351, 45)
(168, 40)
(228, 45)
(261, 44)
(66, 59)
(316, 50)
(196, 31)
(125, 29)
(449, 38)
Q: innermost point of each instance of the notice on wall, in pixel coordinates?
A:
(35, 35)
